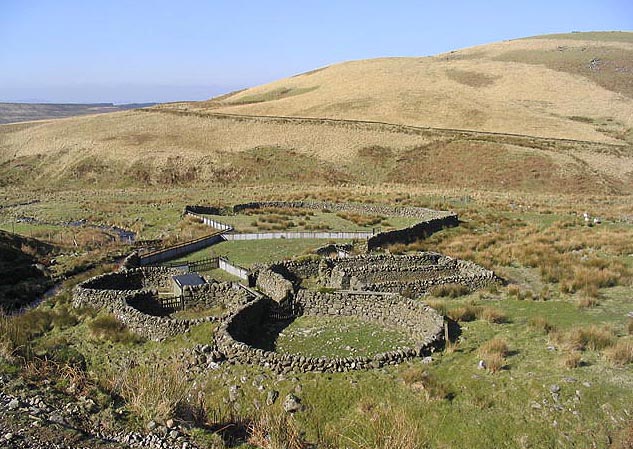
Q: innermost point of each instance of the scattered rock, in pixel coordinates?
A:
(481, 365)
(554, 388)
(14, 404)
(170, 423)
(292, 404)
(271, 397)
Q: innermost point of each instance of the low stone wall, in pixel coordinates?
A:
(412, 233)
(234, 338)
(204, 210)
(180, 250)
(335, 250)
(358, 208)
(139, 306)
(430, 221)
(411, 274)
(298, 269)
(133, 279)
(274, 285)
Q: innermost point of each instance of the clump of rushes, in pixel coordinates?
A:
(450, 291)
(621, 353)
(572, 360)
(108, 327)
(591, 337)
(492, 315)
(541, 324)
(421, 380)
(493, 353)
(463, 313)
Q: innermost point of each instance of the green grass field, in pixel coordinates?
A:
(449, 402)
(248, 252)
(338, 337)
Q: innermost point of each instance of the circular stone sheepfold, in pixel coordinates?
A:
(237, 337)
(133, 297)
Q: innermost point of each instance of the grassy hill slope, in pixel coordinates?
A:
(541, 124)
(577, 86)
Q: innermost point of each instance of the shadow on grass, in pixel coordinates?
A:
(266, 335)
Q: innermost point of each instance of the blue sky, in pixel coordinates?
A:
(141, 50)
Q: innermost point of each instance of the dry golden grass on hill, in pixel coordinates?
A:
(557, 86)
(529, 87)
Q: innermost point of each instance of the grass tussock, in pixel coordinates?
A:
(275, 430)
(154, 391)
(419, 379)
(586, 302)
(621, 353)
(469, 312)
(594, 338)
(492, 315)
(450, 291)
(108, 327)
(464, 313)
(493, 353)
(380, 426)
(572, 360)
(541, 324)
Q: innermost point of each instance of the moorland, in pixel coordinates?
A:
(520, 138)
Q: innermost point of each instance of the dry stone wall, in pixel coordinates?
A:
(235, 338)
(430, 220)
(132, 296)
(274, 285)
(413, 274)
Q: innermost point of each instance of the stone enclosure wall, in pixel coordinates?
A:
(235, 338)
(430, 220)
(132, 296)
(412, 274)
(370, 287)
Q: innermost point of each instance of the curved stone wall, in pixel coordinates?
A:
(138, 305)
(423, 324)
(374, 279)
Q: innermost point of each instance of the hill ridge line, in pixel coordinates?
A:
(316, 120)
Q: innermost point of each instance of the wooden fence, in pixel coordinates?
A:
(171, 304)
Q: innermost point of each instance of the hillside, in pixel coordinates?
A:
(545, 114)
(23, 112)
(577, 86)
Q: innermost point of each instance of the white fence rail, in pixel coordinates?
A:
(299, 235)
(235, 270)
(214, 224)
